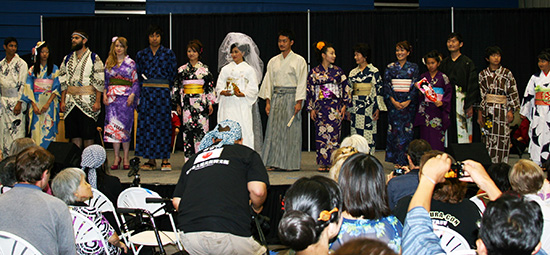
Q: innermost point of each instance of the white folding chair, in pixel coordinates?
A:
(452, 242)
(103, 204)
(13, 244)
(135, 198)
(88, 234)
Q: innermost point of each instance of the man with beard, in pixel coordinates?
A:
(284, 89)
(82, 83)
(13, 75)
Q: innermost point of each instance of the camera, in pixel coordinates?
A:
(456, 171)
(398, 171)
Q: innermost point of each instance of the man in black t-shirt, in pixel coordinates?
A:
(215, 191)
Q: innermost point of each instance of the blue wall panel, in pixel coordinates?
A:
(21, 19)
(240, 6)
(426, 4)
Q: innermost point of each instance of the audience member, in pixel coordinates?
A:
(70, 186)
(527, 178)
(42, 220)
(449, 208)
(92, 163)
(215, 192)
(358, 142)
(338, 157)
(405, 185)
(365, 246)
(21, 144)
(366, 211)
(312, 215)
(7, 174)
(510, 225)
(499, 174)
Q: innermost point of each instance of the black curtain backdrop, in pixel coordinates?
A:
(521, 33)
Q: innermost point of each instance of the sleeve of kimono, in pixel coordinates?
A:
(379, 100)
(139, 66)
(512, 93)
(472, 96)
(267, 88)
(135, 81)
(387, 88)
(172, 67)
(251, 89)
(175, 98)
(220, 84)
(63, 74)
(28, 95)
(22, 79)
(106, 77)
(528, 100)
(346, 97)
(209, 87)
(310, 90)
(413, 93)
(447, 94)
(56, 87)
(301, 83)
(483, 92)
(98, 73)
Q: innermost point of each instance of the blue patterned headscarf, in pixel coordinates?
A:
(229, 133)
(93, 156)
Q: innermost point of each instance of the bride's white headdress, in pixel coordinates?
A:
(250, 50)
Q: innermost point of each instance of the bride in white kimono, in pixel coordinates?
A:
(237, 85)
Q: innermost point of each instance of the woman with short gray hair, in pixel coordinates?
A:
(70, 186)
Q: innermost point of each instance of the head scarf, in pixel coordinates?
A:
(93, 156)
(229, 133)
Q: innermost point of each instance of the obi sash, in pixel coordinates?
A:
(362, 89)
(10, 92)
(284, 90)
(42, 85)
(438, 92)
(401, 85)
(84, 90)
(193, 86)
(495, 99)
(156, 83)
(328, 91)
(542, 98)
(119, 82)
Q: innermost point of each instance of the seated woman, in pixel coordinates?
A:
(366, 211)
(70, 186)
(527, 178)
(93, 159)
(312, 215)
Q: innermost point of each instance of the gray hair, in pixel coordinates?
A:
(20, 144)
(356, 141)
(66, 183)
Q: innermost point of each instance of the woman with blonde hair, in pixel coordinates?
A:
(120, 99)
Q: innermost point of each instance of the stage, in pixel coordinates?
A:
(157, 177)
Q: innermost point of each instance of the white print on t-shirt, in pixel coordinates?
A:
(208, 154)
(208, 158)
(437, 215)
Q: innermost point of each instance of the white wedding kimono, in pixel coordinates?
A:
(238, 108)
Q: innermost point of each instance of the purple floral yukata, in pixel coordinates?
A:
(120, 82)
(327, 92)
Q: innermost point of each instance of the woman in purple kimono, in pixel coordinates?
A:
(120, 99)
(433, 116)
(328, 96)
(400, 96)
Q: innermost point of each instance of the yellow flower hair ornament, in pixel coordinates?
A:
(320, 45)
(325, 215)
